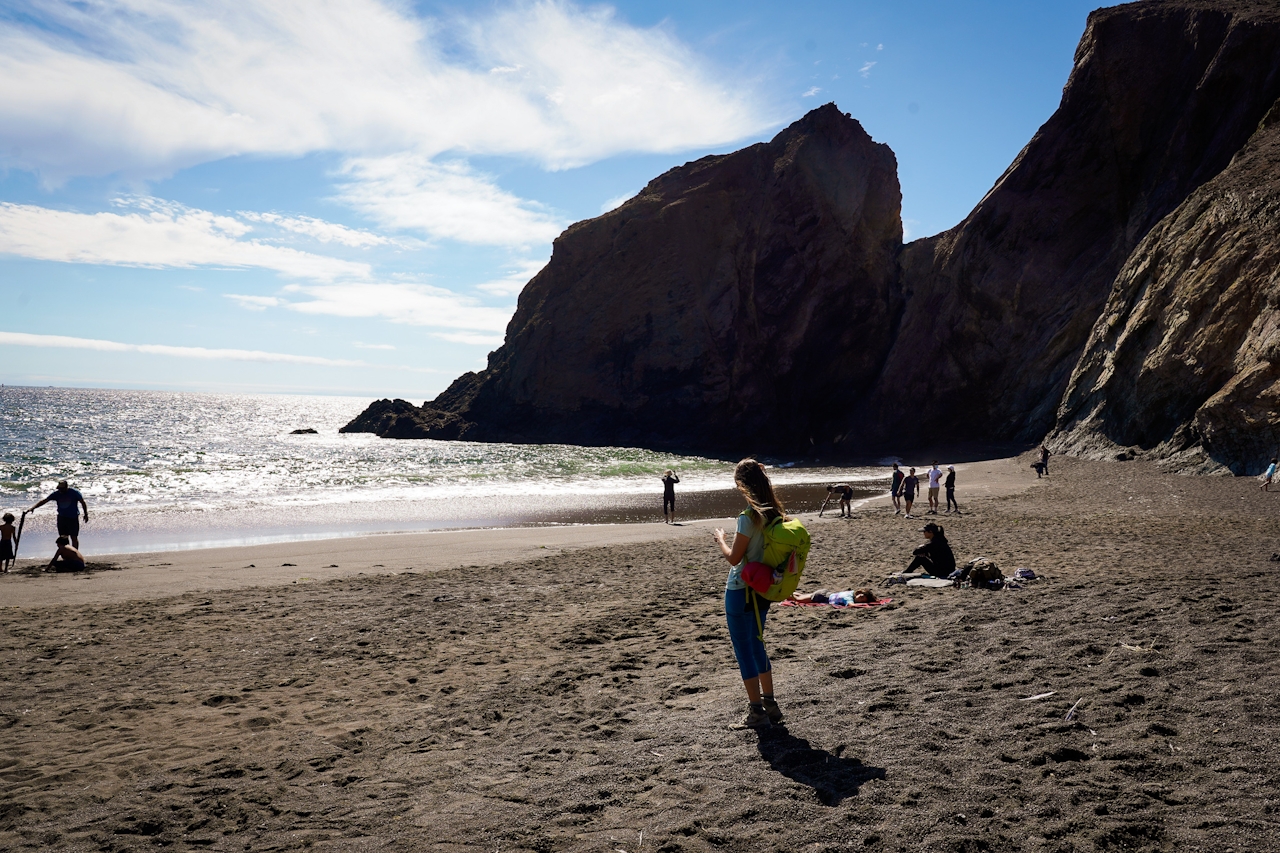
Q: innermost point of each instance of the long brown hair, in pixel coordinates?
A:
(762, 503)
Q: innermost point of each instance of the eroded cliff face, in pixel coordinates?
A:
(1184, 363)
(762, 301)
(998, 309)
(736, 303)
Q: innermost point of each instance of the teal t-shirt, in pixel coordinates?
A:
(755, 551)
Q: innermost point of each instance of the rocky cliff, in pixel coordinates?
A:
(999, 308)
(1184, 363)
(736, 303)
(762, 300)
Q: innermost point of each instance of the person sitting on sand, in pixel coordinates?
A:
(7, 549)
(909, 487)
(68, 518)
(843, 492)
(763, 507)
(838, 599)
(1266, 476)
(669, 481)
(67, 558)
(934, 556)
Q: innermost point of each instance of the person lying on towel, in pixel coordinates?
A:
(934, 556)
(839, 599)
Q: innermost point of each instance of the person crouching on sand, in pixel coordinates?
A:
(934, 556)
(66, 559)
(763, 507)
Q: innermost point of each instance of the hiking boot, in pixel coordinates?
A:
(771, 710)
(756, 718)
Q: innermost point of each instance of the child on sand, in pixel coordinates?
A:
(763, 507)
(67, 558)
(7, 532)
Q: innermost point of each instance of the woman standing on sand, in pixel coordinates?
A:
(669, 481)
(763, 507)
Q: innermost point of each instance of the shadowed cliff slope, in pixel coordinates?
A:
(762, 300)
(1161, 97)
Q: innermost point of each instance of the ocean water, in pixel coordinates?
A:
(166, 470)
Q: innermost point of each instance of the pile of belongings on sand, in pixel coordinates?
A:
(978, 573)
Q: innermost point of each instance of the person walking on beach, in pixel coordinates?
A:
(669, 481)
(895, 489)
(909, 487)
(1268, 475)
(950, 484)
(763, 507)
(1044, 460)
(7, 543)
(935, 555)
(68, 516)
(935, 482)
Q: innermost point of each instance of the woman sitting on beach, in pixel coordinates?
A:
(934, 556)
(763, 507)
(66, 559)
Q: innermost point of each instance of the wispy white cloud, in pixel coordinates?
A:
(254, 303)
(155, 234)
(865, 70)
(318, 229)
(22, 339)
(413, 304)
(616, 202)
(811, 91)
(145, 87)
(470, 339)
(514, 281)
(410, 192)
(359, 345)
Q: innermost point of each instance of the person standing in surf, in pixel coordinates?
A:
(67, 499)
(763, 507)
(669, 481)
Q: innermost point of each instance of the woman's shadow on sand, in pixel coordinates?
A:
(831, 776)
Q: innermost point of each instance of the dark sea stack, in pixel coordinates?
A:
(999, 308)
(738, 302)
(1184, 363)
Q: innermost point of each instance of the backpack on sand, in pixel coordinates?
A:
(775, 578)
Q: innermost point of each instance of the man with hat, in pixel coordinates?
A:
(68, 515)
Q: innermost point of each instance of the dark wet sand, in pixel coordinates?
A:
(582, 702)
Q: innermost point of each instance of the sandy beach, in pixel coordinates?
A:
(572, 688)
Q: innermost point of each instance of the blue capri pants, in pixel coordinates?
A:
(748, 648)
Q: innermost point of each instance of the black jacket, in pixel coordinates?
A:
(938, 551)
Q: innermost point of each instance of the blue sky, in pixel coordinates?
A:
(347, 197)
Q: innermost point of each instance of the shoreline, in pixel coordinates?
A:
(160, 574)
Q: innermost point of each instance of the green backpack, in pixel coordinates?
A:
(786, 548)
